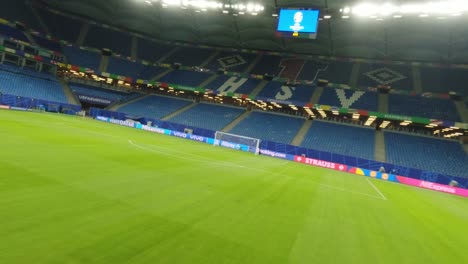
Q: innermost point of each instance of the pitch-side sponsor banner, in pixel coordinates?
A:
(4, 107)
(19, 108)
(280, 155)
(433, 186)
(321, 163)
(92, 99)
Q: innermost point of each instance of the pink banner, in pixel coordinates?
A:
(4, 107)
(433, 186)
(321, 163)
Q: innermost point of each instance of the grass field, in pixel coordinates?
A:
(75, 190)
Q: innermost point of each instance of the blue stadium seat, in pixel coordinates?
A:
(47, 44)
(154, 106)
(336, 72)
(209, 116)
(269, 126)
(25, 83)
(113, 96)
(311, 70)
(11, 32)
(234, 62)
(188, 78)
(189, 56)
(83, 58)
(152, 51)
(268, 64)
(149, 72)
(444, 80)
(124, 67)
(429, 154)
(61, 27)
(397, 76)
(218, 84)
(278, 91)
(443, 109)
(344, 98)
(99, 37)
(342, 139)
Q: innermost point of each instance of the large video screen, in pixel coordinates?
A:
(298, 21)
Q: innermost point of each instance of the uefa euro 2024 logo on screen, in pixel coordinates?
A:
(298, 17)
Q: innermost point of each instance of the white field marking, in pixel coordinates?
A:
(376, 189)
(208, 161)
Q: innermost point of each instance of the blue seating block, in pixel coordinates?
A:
(269, 126)
(82, 58)
(47, 44)
(280, 92)
(444, 80)
(124, 67)
(151, 51)
(220, 84)
(183, 77)
(361, 100)
(99, 37)
(311, 69)
(154, 106)
(268, 64)
(429, 154)
(397, 76)
(61, 27)
(190, 56)
(12, 33)
(336, 72)
(209, 116)
(234, 62)
(443, 109)
(342, 139)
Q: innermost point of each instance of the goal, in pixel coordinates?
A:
(237, 142)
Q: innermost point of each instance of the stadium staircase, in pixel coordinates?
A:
(134, 48)
(253, 64)
(353, 80)
(417, 80)
(180, 111)
(83, 32)
(316, 95)
(209, 80)
(462, 111)
(114, 107)
(104, 63)
(259, 88)
(71, 97)
(297, 141)
(236, 121)
(379, 151)
(167, 55)
(209, 59)
(383, 103)
(159, 76)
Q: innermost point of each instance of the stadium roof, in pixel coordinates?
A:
(423, 37)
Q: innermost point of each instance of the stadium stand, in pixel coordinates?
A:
(311, 70)
(124, 67)
(61, 27)
(268, 64)
(149, 72)
(183, 77)
(111, 95)
(430, 154)
(336, 72)
(443, 80)
(397, 76)
(291, 68)
(47, 44)
(234, 62)
(22, 82)
(443, 109)
(189, 56)
(281, 92)
(349, 99)
(269, 126)
(12, 32)
(342, 139)
(83, 58)
(224, 83)
(153, 106)
(99, 37)
(14, 10)
(209, 116)
(151, 51)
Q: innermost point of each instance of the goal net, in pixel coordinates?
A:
(237, 142)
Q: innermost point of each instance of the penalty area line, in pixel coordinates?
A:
(376, 189)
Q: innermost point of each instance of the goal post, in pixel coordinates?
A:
(237, 142)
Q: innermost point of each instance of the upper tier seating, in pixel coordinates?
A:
(418, 106)
(269, 126)
(342, 139)
(349, 99)
(83, 58)
(15, 10)
(209, 116)
(429, 154)
(228, 84)
(152, 51)
(444, 80)
(11, 32)
(124, 67)
(234, 62)
(397, 76)
(25, 83)
(154, 106)
(61, 27)
(278, 91)
(268, 64)
(189, 56)
(311, 70)
(113, 96)
(47, 44)
(188, 78)
(336, 72)
(99, 37)
(149, 72)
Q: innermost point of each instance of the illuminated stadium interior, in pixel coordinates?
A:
(313, 110)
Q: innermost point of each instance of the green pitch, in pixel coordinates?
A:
(74, 190)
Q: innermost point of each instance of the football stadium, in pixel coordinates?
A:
(233, 131)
